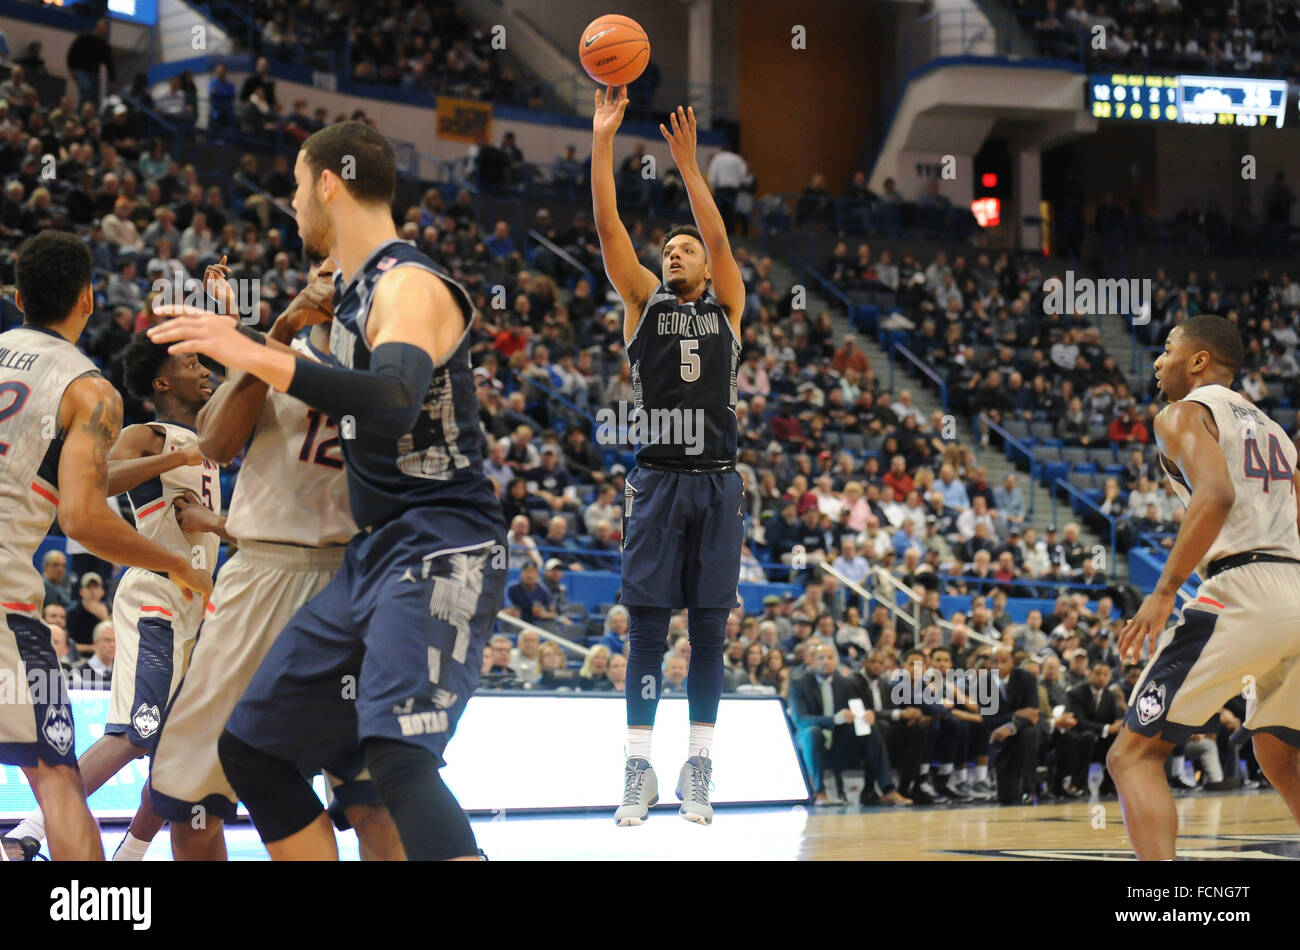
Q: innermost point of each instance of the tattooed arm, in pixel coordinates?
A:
(91, 415)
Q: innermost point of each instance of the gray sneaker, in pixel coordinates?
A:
(693, 786)
(640, 792)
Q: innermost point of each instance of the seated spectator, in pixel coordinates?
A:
(593, 675)
(1128, 428)
(89, 610)
(526, 657)
(530, 600)
(69, 659)
(54, 572)
(675, 672)
(497, 671)
(521, 544)
(97, 673)
(555, 674)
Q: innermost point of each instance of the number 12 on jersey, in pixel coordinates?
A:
(1277, 468)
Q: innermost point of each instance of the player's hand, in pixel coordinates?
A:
(192, 581)
(611, 103)
(1149, 621)
(681, 141)
(190, 330)
(190, 455)
(869, 717)
(191, 514)
(218, 287)
(315, 302)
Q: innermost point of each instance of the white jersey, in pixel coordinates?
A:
(36, 367)
(292, 488)
(155, 518)
(1261, 461)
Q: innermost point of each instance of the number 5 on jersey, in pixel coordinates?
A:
(690, 361)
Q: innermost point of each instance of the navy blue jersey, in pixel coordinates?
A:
(684, 358)
(440, 461)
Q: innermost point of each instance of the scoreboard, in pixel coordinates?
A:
(1190, 100)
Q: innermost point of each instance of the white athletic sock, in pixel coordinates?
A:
(638, 743)
(1176, 765)
(32, 826)
(945, 768)
(925, 769)
(981, 773)
(701, 740)
(959, 775)
(131, 849)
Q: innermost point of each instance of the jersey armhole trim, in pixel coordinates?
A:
(644, 309)
(463, 301)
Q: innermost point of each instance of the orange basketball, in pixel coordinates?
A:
(614, 50)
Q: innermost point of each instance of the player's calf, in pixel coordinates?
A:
(73, 834)
(1281, 764)
(431, 823)
(207, 843)
(1136, 764)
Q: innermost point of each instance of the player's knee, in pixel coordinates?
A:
(396, 767)
(278, 798)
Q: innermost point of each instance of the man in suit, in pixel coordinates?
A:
(819, 706)
(1072, 746)
(896, 723)
(1098, 712)
(917, 705)
(1014, 737)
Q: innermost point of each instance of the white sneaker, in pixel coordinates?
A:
(694, 783)
(640, 792)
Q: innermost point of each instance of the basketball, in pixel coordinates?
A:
(614, 50)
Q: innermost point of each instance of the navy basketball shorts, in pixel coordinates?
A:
(1241, 635)
(682, 533)
(391, 648)
(35, 711)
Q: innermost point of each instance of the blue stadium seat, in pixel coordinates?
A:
(1086, 467)
(1051, 471)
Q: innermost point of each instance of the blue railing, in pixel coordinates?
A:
(1011, 445)
(922, 368)
(1086, 502)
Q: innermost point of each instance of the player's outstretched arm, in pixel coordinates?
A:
(728, 285)
(137, 457)
(1184, 434)
(91, 415)
(414, 323)
(227, 420)
(633, 282)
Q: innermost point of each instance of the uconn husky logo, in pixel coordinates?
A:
(146, 720)
(1151, 704)
(58, 727)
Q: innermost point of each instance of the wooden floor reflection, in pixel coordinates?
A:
(1252, 825)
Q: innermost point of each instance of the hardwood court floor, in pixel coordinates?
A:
(1227, 826)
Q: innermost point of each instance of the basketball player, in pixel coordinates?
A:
(176, 496)
(59, 419)
(683, 526)
(375, 671)
(1235, 469)
(290, 513)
